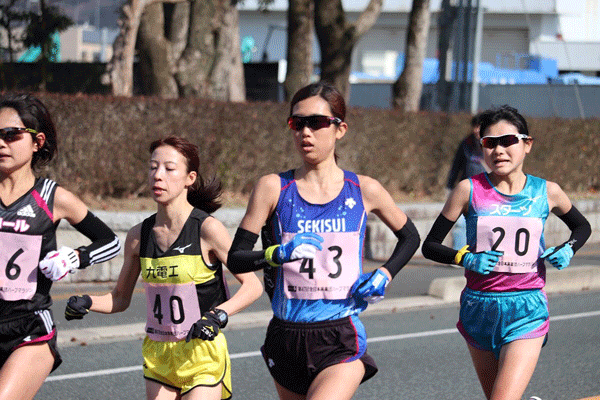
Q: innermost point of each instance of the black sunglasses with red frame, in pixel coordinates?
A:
(313, 122)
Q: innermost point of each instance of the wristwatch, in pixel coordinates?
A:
(222, 317)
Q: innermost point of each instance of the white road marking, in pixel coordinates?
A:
(83, 375)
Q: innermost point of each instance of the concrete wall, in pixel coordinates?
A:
(380, 241)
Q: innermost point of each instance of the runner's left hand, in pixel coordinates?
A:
(58, 263)
(370, 286)
(559, 256)
(206, 328)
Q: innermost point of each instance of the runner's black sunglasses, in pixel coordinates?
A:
(13, 134)
(314, 122)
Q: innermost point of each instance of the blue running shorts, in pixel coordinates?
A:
(489, 320)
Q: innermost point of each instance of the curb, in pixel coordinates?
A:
(442, 291)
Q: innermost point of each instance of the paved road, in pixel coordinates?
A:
(412, 282)
(419, 353)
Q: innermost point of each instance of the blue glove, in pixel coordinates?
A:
(483, 262)
(559, 256)
(303, 245)
(370, 286)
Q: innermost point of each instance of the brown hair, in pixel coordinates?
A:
(202, 194)
(327, 92)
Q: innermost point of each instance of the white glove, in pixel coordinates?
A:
(58, 263)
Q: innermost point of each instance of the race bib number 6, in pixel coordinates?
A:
(19, 260)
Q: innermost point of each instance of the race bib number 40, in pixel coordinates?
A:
(330, 274)
(171, 309)
(19, 260)
(518, 237)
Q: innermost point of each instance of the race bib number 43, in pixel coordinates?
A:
(330, 274)
(19, 260)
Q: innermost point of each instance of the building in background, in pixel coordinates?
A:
(565, 30)
(87, 43)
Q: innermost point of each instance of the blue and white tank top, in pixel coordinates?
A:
(319, 289)
(512, 224)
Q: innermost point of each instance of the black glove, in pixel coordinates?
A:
(77, 307)
(207, 327)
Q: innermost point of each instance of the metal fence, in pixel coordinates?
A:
(552, 100)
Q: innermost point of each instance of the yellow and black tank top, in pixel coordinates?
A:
(180, 285)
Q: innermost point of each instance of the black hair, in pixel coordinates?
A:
(34, 115)
(503, 113)
(202, 194)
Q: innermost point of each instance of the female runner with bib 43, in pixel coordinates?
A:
(314, 220)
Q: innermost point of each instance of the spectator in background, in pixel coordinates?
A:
(468, 161)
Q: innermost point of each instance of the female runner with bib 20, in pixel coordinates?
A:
(30, 210)
(180, 252)
(315, 217)
(503, 309)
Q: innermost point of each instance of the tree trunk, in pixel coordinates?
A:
(299, 46)
(337, 39)
(211, 64)
(445, 23)
(155, 54)
(120, 67)
(407, 89)
(192, 49)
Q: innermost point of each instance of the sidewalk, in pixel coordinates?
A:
(442, 291)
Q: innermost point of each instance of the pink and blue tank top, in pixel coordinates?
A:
(512, 224)
(319, 289)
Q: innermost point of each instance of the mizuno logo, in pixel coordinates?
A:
(26, 211)
(182, 249)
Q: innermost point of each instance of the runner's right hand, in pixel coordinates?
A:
(77, 307)
(483, 262)
(303, 245)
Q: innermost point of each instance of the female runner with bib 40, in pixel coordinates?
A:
(503, 309)
(180, 252)
(315, 219)
(30, 210)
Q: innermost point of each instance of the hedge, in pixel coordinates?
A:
(103, 144)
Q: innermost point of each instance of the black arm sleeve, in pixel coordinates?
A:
(241, 258)
(408, 243)
(433, 248)
(105, 244)
(579, 226)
